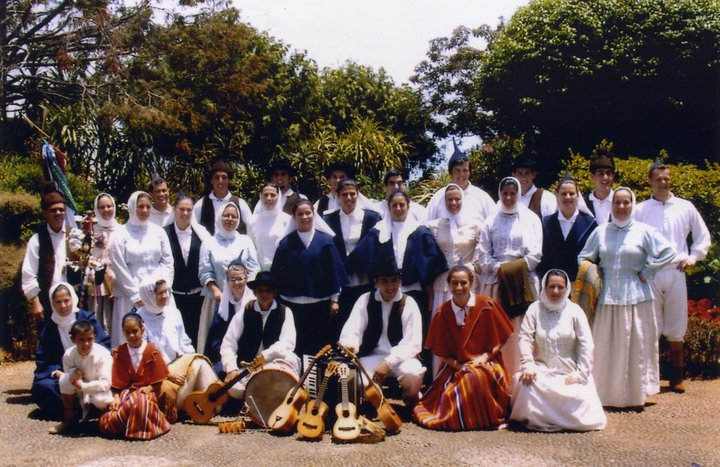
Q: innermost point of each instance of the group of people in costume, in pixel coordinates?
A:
(465, 302)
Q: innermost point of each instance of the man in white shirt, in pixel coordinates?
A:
(540, 201)
(476, 202)
(261, 333)
(334, 174)
(599, 201)
(161, 213)
(395, 181)
(282, 173)
(675, 218)
(385, 330)
(45, 256)
(219, 178)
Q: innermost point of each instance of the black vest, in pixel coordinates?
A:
(254, 334)
(207, 215)
(373, 331)
(186, 275)
(323, 204)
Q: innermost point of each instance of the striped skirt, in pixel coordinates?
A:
(473, 398)
(137, 417)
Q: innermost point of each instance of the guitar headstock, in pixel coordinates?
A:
(346, 352)
(331, 368)
(343, 371)
(324, 351)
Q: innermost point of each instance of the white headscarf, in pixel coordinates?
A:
(146, 290)
(559, 305)
(455, 220)
(64, 323)
(228, 298)
(132, 210)
(275, 209)
(618, 223)
(106, 224)
(501, 206)
(385, 225)
(220, 229)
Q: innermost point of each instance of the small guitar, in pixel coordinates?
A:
(200, 405)
(347, 426)
(387, 415)
(283, 418)
(312, 424)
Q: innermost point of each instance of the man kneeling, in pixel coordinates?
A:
(385, 329)
(264, 332)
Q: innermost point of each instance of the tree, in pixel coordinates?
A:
(567, 73)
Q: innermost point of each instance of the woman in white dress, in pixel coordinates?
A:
(457, 236)
(165, 330)
(269, 224)
(216, 254)
(554, 389)
(139, 249)
(511, 239)
(101, 295)
(629, 254)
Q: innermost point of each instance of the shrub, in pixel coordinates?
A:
(19, 216)
(17, 330)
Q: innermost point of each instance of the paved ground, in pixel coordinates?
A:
(673, 430)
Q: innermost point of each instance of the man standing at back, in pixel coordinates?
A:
(395, 181)
(281, 173)
(599, 201)
(161, 213)
(540, 201)
(476, 202)
(219, 179)
(675, 218)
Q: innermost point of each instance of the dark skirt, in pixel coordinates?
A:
(189, 306)
(348, 297)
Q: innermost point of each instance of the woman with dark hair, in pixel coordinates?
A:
(350, 223)
(53, 341)
(139, 250)
(565, 231)
(310, 275)
(629, 253)
(554, 389)
(186, 238)
(470, 390)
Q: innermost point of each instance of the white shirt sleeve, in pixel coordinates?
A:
(30, 267)
(411, 342)
(352, 331)
(285, 344)
(229, 346)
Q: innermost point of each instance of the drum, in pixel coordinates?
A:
(267, 388)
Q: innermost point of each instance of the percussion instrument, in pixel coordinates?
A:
(267, 388)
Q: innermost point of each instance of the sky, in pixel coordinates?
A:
(393, 34)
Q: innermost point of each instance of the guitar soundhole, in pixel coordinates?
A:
(199, 409)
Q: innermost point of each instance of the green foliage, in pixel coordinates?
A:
(19, 214)
(565, 73)
(17, 331)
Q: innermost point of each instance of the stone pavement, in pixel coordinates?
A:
(673, 430)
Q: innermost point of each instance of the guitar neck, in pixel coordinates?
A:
(226, 387)
(345, 396)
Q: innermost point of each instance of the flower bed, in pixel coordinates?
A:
(702, 341)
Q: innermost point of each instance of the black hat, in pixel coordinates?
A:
(524, 161)
(457, 157)
(385, 266)
(602, 161)
(281, 164)
(658, 164)
(49, 195)
(221, 165)
(348, 169)
(263, 278)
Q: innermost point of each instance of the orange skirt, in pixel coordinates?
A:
(137, 417)
(473, 398)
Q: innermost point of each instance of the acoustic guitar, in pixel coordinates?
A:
(312, 423)
(200, 405)
(283, 418)
(387, 415)
(347, 426)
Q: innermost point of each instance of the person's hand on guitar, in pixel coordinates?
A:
(381, 372)
(256, 363)
(231, 375)
(176, 378)
(334, 308)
